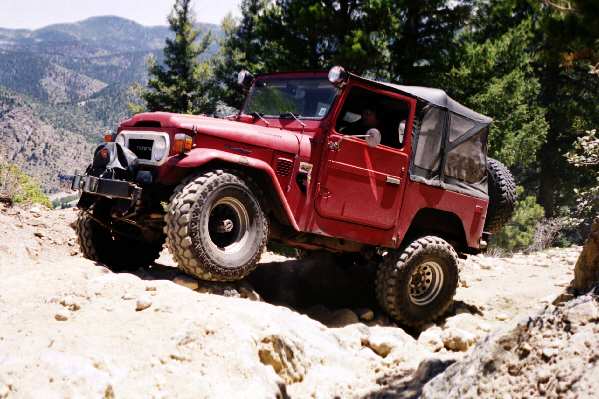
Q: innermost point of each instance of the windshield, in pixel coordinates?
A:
(304, 97)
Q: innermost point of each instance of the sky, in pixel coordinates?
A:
(34, 14)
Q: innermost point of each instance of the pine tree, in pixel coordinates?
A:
(495, 77)
(181, 85)
(239, 49)
(310, 34)
(422, 39)
(569, 48)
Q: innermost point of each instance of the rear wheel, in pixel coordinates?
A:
(216, 229)
(417, 285)
(116, 251)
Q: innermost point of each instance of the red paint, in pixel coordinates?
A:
(352, 193)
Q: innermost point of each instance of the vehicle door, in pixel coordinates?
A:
(359, 183)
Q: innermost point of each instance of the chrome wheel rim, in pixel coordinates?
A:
(228, 225)
(425, 283)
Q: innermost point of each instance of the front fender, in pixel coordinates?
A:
(196, 158)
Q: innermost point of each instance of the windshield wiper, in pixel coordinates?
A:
(258, 115)
(294, 116)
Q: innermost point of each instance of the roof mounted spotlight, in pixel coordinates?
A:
(245, 79)
(338, 76)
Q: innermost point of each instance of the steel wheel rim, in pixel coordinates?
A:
(425, 283)
(223, 211)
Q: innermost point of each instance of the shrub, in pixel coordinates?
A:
(519, 233)
(18, 187)
(550, 232)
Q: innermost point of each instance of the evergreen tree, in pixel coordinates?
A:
(567, 52)
(495, 77)
(526, 63)
(421, 39)
(310, 34)
(182, 84)
(239, 49)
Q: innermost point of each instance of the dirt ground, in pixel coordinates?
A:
(295, 328)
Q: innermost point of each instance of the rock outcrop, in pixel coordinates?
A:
(586, 271)
(553, 354)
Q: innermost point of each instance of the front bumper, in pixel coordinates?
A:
(106, 187)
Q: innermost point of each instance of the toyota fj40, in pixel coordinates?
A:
(331, 162)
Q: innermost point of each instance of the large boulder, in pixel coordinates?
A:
(586, 271)
(552, 354)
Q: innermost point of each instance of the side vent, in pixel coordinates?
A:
(283, 166)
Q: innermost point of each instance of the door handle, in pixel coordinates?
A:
(393, 180)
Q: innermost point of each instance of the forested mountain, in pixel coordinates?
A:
(65, 84)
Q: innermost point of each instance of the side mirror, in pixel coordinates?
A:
(245, 79)
(338, 76)
(373, 137)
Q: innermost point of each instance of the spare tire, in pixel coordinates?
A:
(502, 196)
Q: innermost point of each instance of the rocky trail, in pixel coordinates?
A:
(295, 328)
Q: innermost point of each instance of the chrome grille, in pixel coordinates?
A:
(142, 148)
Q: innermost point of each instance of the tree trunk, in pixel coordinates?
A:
(547, 185)
(586, 271)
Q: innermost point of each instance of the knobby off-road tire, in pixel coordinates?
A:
(117, 252)
(215, 226)
(416, 286)
(502, 196)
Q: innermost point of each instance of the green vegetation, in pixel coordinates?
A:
(519, 233)
(181, 84)
(20, 188)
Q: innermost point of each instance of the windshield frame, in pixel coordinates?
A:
(292, 76)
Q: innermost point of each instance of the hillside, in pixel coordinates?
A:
(36, 145)
(94, 53)
(65, 84)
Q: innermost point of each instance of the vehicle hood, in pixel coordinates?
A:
(273, 138)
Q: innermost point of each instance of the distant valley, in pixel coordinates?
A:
(63, 85)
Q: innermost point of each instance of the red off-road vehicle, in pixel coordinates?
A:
(330, 162)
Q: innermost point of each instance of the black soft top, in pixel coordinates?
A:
(436, 97)
(439, 98)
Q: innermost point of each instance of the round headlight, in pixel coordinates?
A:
(159, 150)
(337, 75)
(120, 139)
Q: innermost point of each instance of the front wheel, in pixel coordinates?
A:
(215, 226)
(417, 285)
(117, 251)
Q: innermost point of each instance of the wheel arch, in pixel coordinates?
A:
(275, 203)
(444, 224)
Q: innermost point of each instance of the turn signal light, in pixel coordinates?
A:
(183, 143)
